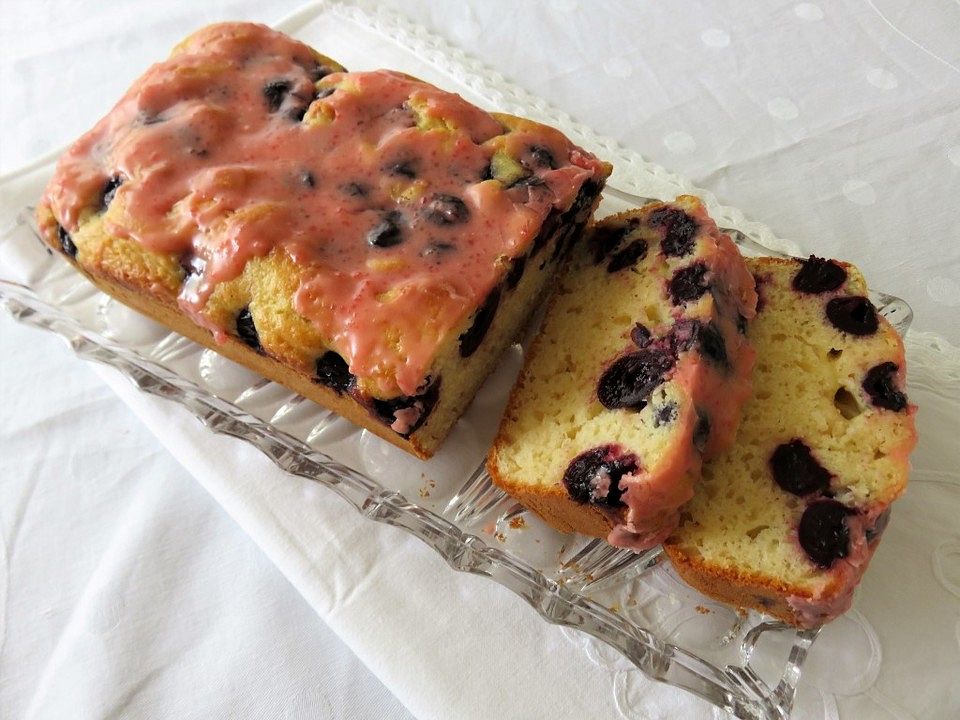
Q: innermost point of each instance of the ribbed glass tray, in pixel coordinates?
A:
(747, 665)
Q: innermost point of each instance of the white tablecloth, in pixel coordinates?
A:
(127, 591)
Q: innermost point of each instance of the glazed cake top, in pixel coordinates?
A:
(399, 202)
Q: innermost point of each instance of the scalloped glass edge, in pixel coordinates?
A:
(735, 689)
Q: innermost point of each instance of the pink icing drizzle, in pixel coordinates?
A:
(835, 596)
(654, 495)
(211, 171)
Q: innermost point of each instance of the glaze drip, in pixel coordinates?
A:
(246, 143)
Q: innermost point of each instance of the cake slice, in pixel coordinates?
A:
(365, 238)
(786, 521)
(639, 370)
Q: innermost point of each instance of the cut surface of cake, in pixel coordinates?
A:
(365, 238)
(639, 370)
(786, 521)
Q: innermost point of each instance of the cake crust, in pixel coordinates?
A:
(638, 371)
(552, 504)
(787, 521)
(363, 238)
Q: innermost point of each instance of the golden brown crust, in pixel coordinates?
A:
(737, 589)
(249, 312)
(126, 271)
(704, 550)
(552, 504)
(543, 489)
(168, 314)
(262, 293)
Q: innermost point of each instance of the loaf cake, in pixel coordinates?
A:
(364, 238)
(639, 370)
(786, 521)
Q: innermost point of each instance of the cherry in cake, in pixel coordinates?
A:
(787, 520)
(639, 372)
(252, 194)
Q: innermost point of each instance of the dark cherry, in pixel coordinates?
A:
(628, 256)
(854, 314)
(307, 179)
(436, 249)
(470, 340)
(874, 532)
(333, 371)
(564, 238)
(110, 190)
(605, 239)
(274, 93)
(549, 228)
(150, 118)
(247, 331)
(580, 209)
(688, 284)
(66, 242)
(192, 264)
(387, 232)
(516, 272)
(628, 382)
(701, 431)
(707, 338)
(424, 403)
(318, 72)
(403, 168)
(683, 335)
(712, 345)
(564, 227)
(529, 181)
(355, 189)
(446, 209)
(823, 532)
(296, 113)
(584, 471)
(797, 471)
(640, 335)
(541, 157)
(880, 385)
(741, 324)
(680, 230)
(817, 275)
(665, 414)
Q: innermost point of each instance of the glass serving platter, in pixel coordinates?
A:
(747, 665)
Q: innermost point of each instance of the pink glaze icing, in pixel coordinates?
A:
(212, 172)
(720, 395)
(835, 595)
(654, 495)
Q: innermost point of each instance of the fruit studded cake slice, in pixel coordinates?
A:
(364, 238)
(787, 520)
(639, 370)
